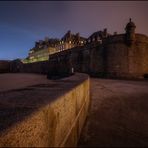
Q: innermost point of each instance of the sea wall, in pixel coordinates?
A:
(45, 115)
(16, 66)
(4, 66)
(37, 67)
(113, 58)
(124, 61)
(96, 62)
(69, 61)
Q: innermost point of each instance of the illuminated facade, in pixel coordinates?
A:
(70, 40)
(98, 36)
(43, 49)
(41, 55)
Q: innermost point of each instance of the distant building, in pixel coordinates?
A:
(98, 36)
(43, 48)
(70, 40)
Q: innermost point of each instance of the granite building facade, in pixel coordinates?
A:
(44, 48)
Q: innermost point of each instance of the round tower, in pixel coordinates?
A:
(130, 32)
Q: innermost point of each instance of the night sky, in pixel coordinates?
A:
(23, 23)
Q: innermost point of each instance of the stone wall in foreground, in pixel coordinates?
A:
(46, 115)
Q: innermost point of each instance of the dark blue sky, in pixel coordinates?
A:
(23, 23)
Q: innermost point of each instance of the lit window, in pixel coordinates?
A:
(31, 51)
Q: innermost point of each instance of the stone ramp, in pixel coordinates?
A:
(118, 115)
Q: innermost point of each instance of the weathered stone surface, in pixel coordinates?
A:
(124, 61)
(16, 66)
(113, 58)
(12, 81)
(4, 66)
(51, 113)
(118, 114)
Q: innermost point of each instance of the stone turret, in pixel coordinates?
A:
(130, 32)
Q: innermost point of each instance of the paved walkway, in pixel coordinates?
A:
(118, 115)
(11, 81)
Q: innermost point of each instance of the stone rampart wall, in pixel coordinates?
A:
(114, 39)
(46, 115)
(126, 61)
(112, 58)
(4, 66)
(120, 38)
(37, 67)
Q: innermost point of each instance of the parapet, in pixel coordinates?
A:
(120, 38)
(50, 114)
(141, 38)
